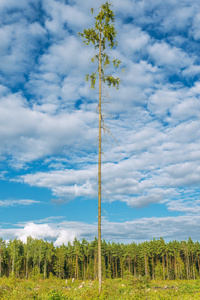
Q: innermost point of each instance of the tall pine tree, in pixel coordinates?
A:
(101, 36)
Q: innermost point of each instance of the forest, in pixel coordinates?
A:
(154, 259)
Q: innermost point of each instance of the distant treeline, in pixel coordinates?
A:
(156, 259)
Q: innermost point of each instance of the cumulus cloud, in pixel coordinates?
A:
(61, 233)
(133, 39)
(66, 183)
(195, 27)
(61, 16)
(20, 44)
(170, 57)
(48, 112)
(189, 206)
(28, 134)
(138, 230)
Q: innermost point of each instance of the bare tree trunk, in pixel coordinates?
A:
(45, 267)
(27, 266)
(0, 265)
(71, 267)
(145, 261)
(116, 268)
(113, 268)
(135, 271)
(13, 264)
(193, 263)
(84, 268)
(175, 266)
(87, 267)
(152, 260)
(129, 264)
(76, 267)
(95, 273)
(187, 266)
(163, 261)
(156, 263)
(121, 264)
(167, 258)
(99, 173)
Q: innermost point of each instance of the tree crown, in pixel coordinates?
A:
(103, 34)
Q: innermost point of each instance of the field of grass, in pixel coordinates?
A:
(116, 289)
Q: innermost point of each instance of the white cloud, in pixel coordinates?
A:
(47, 232)
(28, 134)
(67, 184)
(169, 57)
(188, 206)
(65, 57)
(195, 27)
(60, 14)
(154, 175)
(156, 109)
(3, 173)
(20, 44)
(59, 234)
(138, 230)
(7, 203)
(132, 39)
(179, 16)
(162, 101)
(152, 156)
(8, 4)
(155, 196)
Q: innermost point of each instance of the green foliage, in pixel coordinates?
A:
(92, 79)
(127, 289)
(38, 260)
(56, 295)
(102, 36)
(159, 271)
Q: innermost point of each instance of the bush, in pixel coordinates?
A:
(56, 295)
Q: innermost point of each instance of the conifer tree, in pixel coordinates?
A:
(2, 250)
(101, 36)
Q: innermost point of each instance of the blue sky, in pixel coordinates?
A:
(49, 124)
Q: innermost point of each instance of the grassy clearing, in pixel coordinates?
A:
(116, 289)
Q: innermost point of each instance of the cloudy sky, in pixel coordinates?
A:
(49, 122)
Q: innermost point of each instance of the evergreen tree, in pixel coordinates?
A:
(48, 251)
(173, 260)
(2, 253)
(28, 253)
(101, 36)
(59, 263)
(15, 250)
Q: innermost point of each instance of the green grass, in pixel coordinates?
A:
(116, 289)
